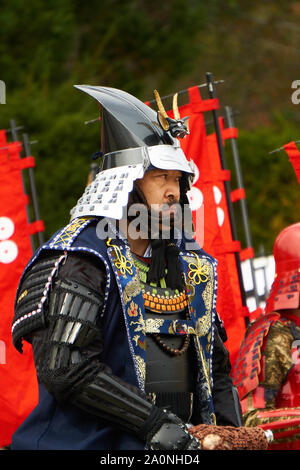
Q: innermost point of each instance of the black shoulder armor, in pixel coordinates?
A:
(31, 297)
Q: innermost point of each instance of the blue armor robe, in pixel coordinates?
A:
(52, 425)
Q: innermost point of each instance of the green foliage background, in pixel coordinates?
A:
(47, 47)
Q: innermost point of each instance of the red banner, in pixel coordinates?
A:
(294, 157)
(208, 196)
(18, 386)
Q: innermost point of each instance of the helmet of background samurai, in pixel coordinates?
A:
(285, 291)
(134, 139)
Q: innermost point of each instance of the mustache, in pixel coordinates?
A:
(163, 218)
(172, 206)
(157, 220)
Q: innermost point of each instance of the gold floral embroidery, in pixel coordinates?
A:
(199, 271)
(121, 263)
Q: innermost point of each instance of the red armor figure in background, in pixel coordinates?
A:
(267, 370)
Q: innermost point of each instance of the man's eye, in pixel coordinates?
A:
(162, 175)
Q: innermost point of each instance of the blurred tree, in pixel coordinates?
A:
(272, 189)
(137, 45)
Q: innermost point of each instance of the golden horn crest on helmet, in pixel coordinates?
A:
(162, 114)
(175, 107)
(176, 126)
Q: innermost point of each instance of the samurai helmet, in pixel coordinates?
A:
(134, 139)
(285, 291)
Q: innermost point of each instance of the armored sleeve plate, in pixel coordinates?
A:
(247, 367)
(73, 308)
(31, 297)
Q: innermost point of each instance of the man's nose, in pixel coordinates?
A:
(173, 190)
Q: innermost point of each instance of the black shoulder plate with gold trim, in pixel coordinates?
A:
(32, 294)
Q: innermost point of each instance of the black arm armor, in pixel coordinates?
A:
(225, 395)
(70, 367)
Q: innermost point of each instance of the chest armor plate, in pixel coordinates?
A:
(170, 358)
(289, 395)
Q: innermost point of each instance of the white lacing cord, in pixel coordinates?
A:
(269, 435)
